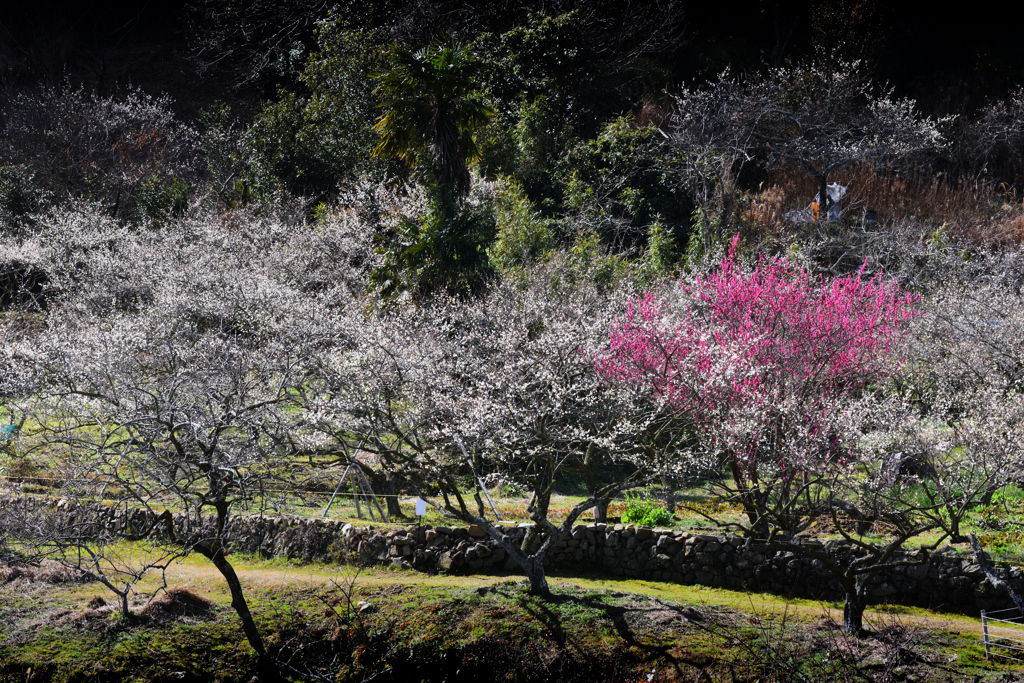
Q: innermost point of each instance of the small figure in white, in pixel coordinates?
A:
(835, 195)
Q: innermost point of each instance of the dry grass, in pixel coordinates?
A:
(175, 603)
(976, 211)
(49, 573)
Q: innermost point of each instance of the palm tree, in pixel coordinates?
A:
(431, 107)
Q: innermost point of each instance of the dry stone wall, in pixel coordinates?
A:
(947, 580)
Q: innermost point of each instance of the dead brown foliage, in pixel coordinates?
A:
(47, 572)
(174, 604)
(972, 210)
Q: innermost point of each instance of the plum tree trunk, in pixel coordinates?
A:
(853, 615)
(534, 569)
(531, 564)
(543, 502)
(586, 470)
(758, 525)
(670, 496)
(214, 551)
(391, 496)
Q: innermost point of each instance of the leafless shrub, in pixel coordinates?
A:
(63, 538)
(895, 647)
(778, 647)
(98, 148)
(991, 144)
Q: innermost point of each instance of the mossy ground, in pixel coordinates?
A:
(430, 628)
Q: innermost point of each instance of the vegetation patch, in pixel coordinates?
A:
(346, 628)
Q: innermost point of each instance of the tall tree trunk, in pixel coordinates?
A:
(391, 496)
(214, 551)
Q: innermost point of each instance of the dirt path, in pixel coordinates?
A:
(202, 577)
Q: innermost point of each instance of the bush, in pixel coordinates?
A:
(644, 512)
(96, 148)
(659, 256)
(443, 251)
(590, 260)
(622, 182)
(308, 145)
(522, 235)
(156, 200)
(19, 194)
(221, 143)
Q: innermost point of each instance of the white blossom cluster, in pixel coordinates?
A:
(222, 358)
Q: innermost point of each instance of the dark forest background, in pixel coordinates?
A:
(950, 62)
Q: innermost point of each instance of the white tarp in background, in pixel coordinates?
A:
(835, 193)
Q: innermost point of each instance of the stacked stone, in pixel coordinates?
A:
(582, 548)
(945, 580)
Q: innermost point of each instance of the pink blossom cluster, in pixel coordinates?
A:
(761, 360)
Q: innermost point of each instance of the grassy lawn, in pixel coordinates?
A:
(421, 627)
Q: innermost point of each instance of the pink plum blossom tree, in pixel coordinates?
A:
(766, 366)
(763, 361)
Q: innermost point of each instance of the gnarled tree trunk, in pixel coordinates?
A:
(853, 615)
(543, 502)
(214, 551)
(534, 570)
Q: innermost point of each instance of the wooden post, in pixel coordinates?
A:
(355, 496)
(984, 630)
(336, 489)
(371, 497)
(479, 482)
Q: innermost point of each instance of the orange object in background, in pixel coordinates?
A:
(814, 212)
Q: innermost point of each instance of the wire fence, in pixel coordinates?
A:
(326, 492)
(302, 498)
(1003, 634)
(297, 499)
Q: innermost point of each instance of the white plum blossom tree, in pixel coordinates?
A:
(502, 386)
(811, 118)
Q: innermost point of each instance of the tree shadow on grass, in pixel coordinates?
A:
(624, 612)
